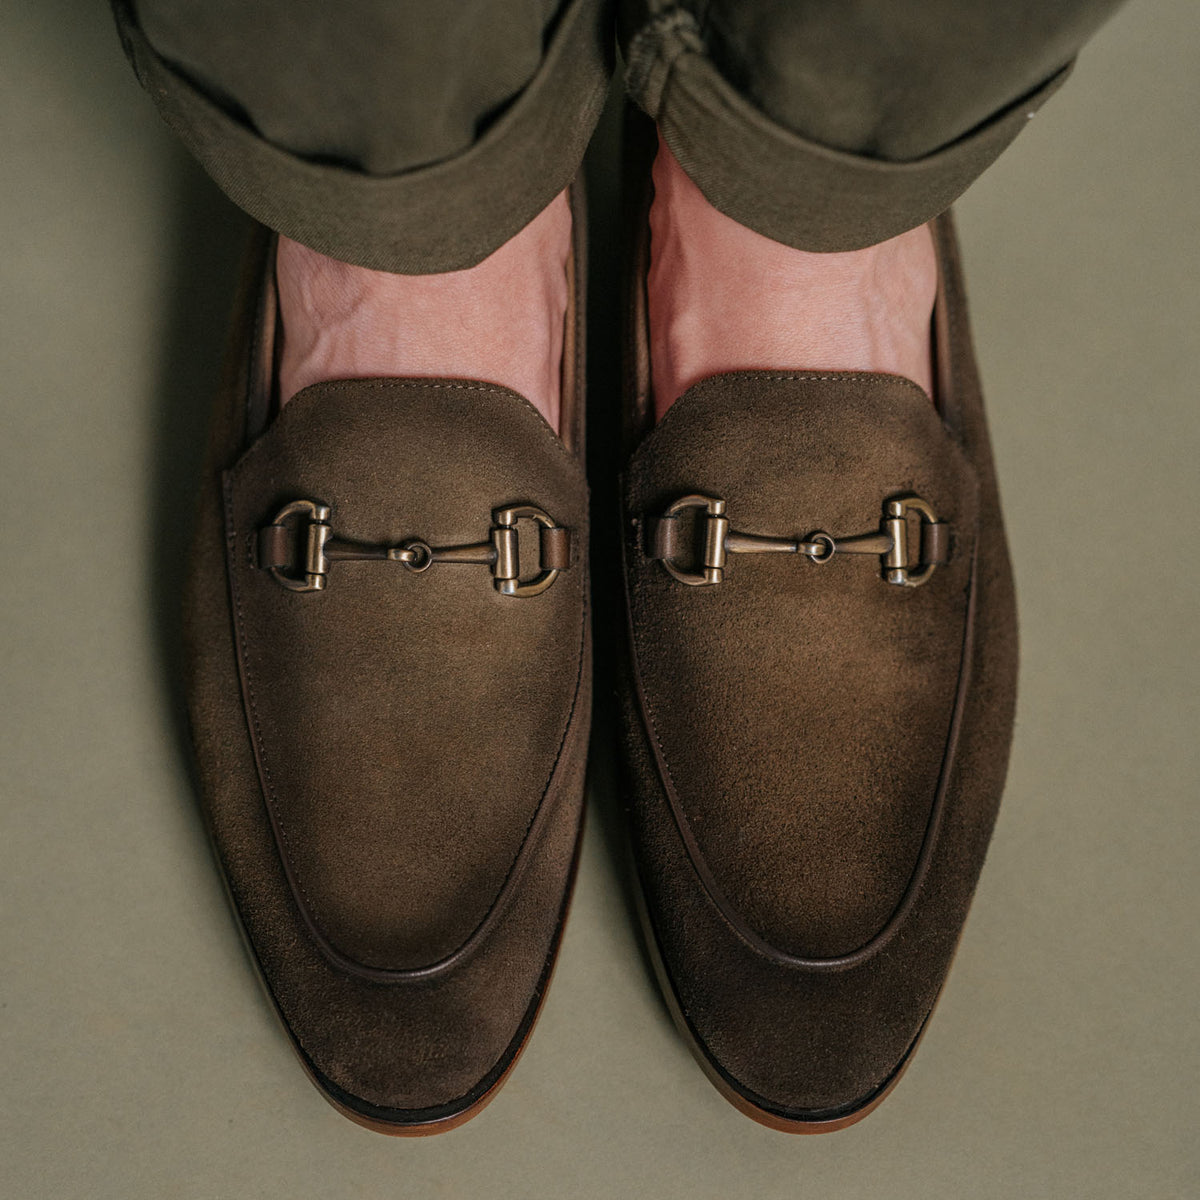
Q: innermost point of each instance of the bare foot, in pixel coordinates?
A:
(723, 298)
(500, 321)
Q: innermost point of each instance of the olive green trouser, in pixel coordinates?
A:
(418, 135)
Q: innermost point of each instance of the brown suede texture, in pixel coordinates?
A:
(805, 717)
(408, 725)
(802, 708)
(418, 739)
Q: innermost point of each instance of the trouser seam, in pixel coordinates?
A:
(653, 52)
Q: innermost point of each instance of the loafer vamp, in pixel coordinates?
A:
(800, 713)
(407, 1050)
(407, 726)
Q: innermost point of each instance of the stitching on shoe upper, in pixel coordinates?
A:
(304, 398)
(248, 685)
(870, 378)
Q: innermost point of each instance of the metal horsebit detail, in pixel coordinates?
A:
(904, 564)
(304, 524)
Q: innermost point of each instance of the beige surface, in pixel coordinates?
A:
(139, 1058)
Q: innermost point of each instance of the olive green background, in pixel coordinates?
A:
(139, 1058)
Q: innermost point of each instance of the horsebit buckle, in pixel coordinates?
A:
(908, 561)
(303, 526)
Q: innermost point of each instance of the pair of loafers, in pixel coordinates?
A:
(388, 653)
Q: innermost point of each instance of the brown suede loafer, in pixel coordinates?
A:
(389, 675)
(817, 708)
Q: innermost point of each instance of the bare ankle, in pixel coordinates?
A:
(724, 298)
(500, 321)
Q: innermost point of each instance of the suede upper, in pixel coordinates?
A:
(383, 706)
(801, 709)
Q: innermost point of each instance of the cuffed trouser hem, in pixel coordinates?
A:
(443, 217)
(782, 185)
